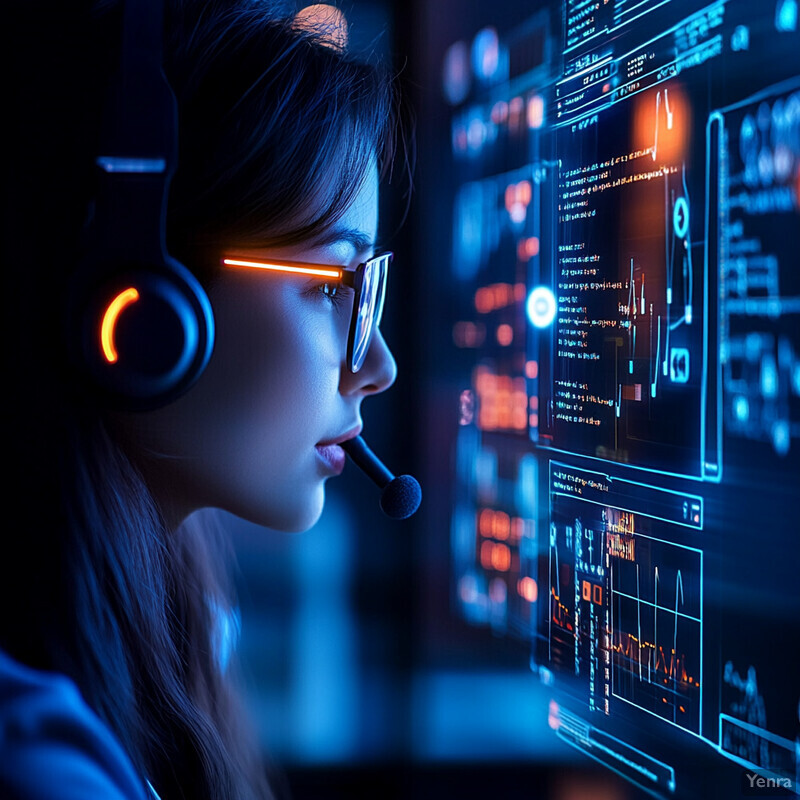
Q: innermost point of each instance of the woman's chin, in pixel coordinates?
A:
(294, 517)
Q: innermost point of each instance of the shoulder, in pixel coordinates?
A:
(52, 745)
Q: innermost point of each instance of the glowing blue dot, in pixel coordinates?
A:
(781, 437)
(541, 307)
(741, 408)
(769, 376)
(786, 15)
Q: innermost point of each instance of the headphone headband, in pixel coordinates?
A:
(141, 117)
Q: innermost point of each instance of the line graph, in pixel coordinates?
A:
(561, 629)
(669, 119)
(656, 628)
(668, 310)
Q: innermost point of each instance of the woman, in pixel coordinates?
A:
(113, 676)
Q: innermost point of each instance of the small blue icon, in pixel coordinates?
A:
(679, 365)
(740, 39)
(680, 217)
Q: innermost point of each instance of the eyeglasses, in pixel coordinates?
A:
(368, 282)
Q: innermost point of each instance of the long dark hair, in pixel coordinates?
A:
(277, 130)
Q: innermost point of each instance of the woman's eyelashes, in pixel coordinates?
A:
(335, 292)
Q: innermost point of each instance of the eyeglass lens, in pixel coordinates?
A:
(370, 309)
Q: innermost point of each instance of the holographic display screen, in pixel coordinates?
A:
(625, 277)
(630, 295)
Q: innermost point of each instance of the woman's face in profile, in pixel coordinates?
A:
(244, 437)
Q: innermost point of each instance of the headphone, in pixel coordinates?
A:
(142, 323)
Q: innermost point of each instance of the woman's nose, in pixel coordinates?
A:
(377, 373)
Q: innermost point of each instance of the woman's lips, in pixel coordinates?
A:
(332, 456)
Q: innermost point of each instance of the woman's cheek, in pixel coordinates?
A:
(324, 334)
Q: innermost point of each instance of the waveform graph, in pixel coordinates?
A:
(656, 625)
(660, 127)
(659, 303)
(662, 122)
(562, 633)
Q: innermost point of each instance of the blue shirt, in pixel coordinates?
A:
(54, 747)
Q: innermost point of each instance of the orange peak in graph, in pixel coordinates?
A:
(662, 124)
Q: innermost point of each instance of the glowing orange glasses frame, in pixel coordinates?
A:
(357, 344)
(315, 270)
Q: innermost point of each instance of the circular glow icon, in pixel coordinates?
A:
(680, 217)
(541, 307)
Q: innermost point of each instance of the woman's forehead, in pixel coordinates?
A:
(358, 225)
(362, 213)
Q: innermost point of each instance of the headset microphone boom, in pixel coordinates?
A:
(401, 495)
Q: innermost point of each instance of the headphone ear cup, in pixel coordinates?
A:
(147, 334)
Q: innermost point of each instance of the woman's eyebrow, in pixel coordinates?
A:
(362, 242)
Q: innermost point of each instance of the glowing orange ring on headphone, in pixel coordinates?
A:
(115, 308)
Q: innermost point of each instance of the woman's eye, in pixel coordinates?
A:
(333, 292)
